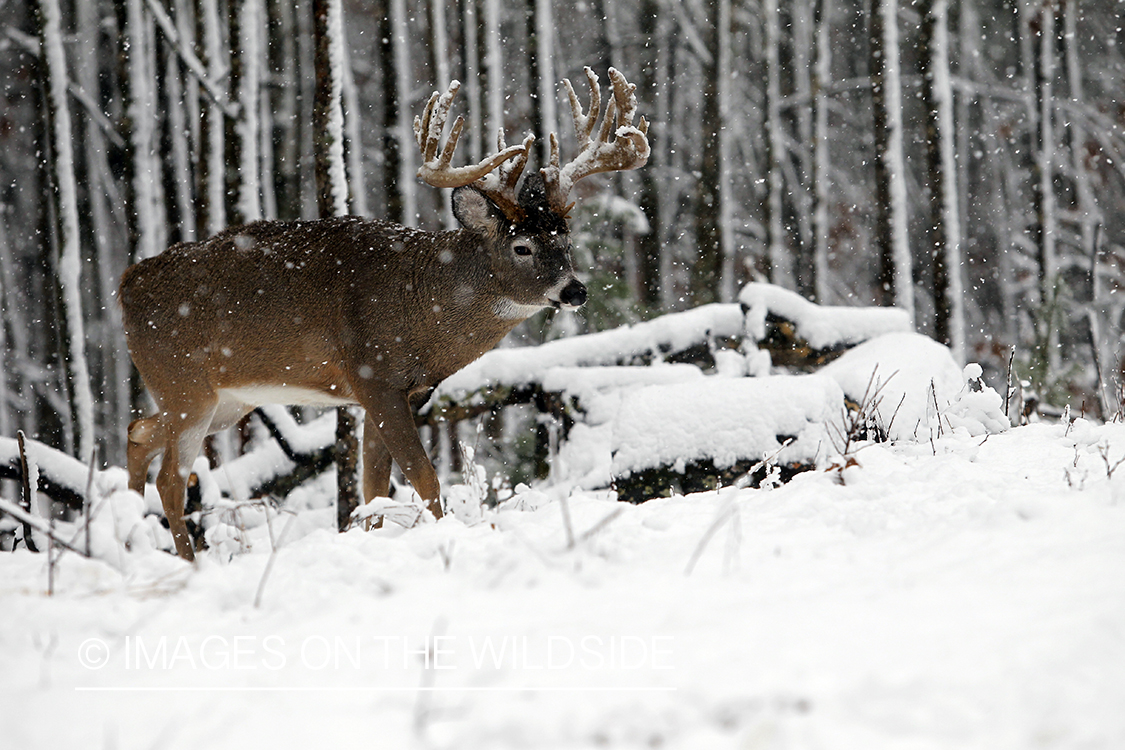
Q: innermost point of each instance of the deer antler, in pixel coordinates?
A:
(619, 145)
(490, 176)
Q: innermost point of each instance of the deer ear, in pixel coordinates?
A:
(476, 212)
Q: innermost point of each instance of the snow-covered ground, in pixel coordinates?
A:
(967, 592)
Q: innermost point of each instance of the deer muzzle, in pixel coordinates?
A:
(573, 294)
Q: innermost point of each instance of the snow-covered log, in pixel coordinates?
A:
(61, 477)
(691, 437)
(691, 336)
(798, 333)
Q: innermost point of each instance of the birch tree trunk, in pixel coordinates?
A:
(141, 166)
(895, 281)
(439, 63)
(68, 264)
(472, 74)
(822, 71)
(775, 145)
(353, 141)
(945, 220)
(494, 67)
(244, 169)
(210, 215)
(404, 125)
(109, 350)
(542, 74)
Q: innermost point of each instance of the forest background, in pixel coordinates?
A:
(962, 160)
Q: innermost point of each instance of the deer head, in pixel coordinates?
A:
(345, 310)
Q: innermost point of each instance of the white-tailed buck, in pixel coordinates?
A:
(346, 310)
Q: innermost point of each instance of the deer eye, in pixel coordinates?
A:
(522, 248)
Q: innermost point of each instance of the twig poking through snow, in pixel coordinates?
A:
(724, 513)
(29, 472)
(564, 507)
(275, 546)
(87, 501)
(606, 521)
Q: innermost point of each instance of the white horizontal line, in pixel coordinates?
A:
(225, 689)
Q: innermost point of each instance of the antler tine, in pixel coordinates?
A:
(435, 169)
(619, 145)
(624, 96)
(583, 122)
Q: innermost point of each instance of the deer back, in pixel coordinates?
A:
(314, 304)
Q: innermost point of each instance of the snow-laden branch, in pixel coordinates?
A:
(230, 109)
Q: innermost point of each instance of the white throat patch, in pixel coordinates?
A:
(509, 309)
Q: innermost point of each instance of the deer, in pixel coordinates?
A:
(348, 310)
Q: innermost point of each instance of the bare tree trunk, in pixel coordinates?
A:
(896, 286)
(822, 70)
(178, 192)
(945, 220)
(283, 98)
(13, 306)
(332, 200)
(494, 67)
(353, 143)
(439, 63)
(404, 125)
(726, 208)
(706, 274)
(775, 148)
(541, 73)
(472, 74)
(1042, 33)
(141, 166)
(108, 345)
(668, 197)
(802, 21)
(211, 215)
(68, 265)
(388, 114)
(244, 169)
(648, 247)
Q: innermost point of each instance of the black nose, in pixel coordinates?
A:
(573, 294)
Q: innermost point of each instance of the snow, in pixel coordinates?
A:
(956, 587)
(725, 420)
(674, 332)
(964, 594)
(821, 325)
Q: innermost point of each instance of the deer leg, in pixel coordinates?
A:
(390, 412)
(376, 461)
(146, 439)
(376, 467)
(183, 440)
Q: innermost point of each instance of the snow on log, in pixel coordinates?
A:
(921, 390)
(61, 477)
(692, 436)
(799, 333)
(691, 336)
